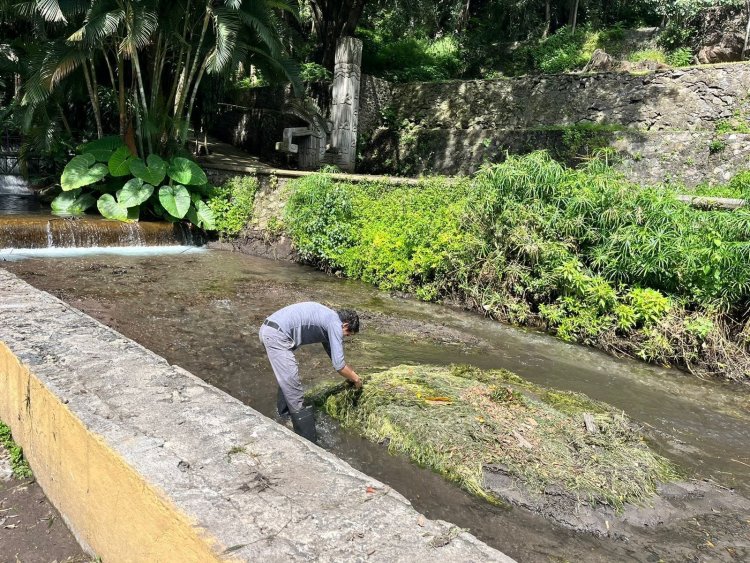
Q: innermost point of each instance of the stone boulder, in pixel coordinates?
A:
(721, 35)
(601, 62)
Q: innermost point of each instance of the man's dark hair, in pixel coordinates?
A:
(351, 317)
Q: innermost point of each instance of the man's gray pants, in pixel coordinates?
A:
(279, 349)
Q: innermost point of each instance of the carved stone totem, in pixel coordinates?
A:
(342, 150)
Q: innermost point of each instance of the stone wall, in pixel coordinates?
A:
(663, 123)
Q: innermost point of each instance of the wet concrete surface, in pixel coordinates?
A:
(203, 311)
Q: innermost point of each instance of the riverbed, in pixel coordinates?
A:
(202, 311)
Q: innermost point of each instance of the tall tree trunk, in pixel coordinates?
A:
(109, 69)
(334, 19)
(463, 19)
(547, 18)
(145, 120)
(186, 126)
(93, 98)
(122, 108)
(573, 21)
(186, 87)
(747, 28)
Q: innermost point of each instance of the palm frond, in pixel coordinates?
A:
(102, 20)
(226, 26)
(50, 10)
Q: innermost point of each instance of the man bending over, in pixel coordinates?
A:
(288, 329)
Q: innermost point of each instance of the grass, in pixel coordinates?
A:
(18, 463)
(458, 420)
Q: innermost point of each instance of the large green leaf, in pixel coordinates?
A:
(152, 172)
(187, 172)
(101, 155)
(81, 171)
(73, 203)
(201, 215)
(109, 208)
(109, 143)
(118, 163)
(175, 199)
(134, 192)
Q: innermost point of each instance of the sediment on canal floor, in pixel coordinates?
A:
(147, 462)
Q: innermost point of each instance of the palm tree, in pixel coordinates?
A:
(154, 55)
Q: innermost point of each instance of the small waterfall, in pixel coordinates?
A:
(15, 195)
(46, 231)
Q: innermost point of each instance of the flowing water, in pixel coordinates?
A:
(15, 195)
(202, 311)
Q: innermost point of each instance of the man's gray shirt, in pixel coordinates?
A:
(310, 322)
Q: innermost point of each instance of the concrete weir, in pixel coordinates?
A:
(147, 462)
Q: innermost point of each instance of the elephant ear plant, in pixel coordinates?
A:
(121, 185)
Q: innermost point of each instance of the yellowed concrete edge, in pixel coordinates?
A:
(110, 508)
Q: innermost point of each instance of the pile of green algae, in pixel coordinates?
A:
(461, 421)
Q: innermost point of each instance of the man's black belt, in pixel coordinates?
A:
(272, 325)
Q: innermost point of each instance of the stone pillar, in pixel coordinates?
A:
(345, 104)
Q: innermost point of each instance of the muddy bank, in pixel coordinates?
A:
(31, 529)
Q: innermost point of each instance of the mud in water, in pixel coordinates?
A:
(202, 312)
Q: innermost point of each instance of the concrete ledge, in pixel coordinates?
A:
(149, 463)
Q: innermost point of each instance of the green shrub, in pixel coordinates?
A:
(232, 204)
(411, 59)
(18, 463)
(121, 185)
(675, 36)
(649, 305)
(716, 146)
(656, 55)
(682, 56)
(313, 72)
(398, 237)
(530, 241)
(565, 51)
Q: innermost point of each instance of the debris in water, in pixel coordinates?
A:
(462, 421)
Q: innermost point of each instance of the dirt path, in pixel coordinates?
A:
(31, 529)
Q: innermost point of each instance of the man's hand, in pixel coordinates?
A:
(351, 375)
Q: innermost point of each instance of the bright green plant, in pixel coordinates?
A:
(529, 241)
(682, 56)
(313, 72)
(132, 184)
(649, 305)
(232, 204)
(716, 146)
(656, 55)
(18, 463)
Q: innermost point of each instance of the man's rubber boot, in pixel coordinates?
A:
(303, 422)
(281, 407)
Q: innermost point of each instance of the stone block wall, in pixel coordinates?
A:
(662, 123)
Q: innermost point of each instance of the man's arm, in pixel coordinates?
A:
(351, 375)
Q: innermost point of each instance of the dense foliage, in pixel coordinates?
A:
(232, 204)
(591, 256)
(134, 68)
(107, 174)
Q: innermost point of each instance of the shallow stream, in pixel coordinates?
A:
(202, 311)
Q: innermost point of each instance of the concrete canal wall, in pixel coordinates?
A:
(149, 463)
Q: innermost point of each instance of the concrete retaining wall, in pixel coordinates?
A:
(149, 463)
